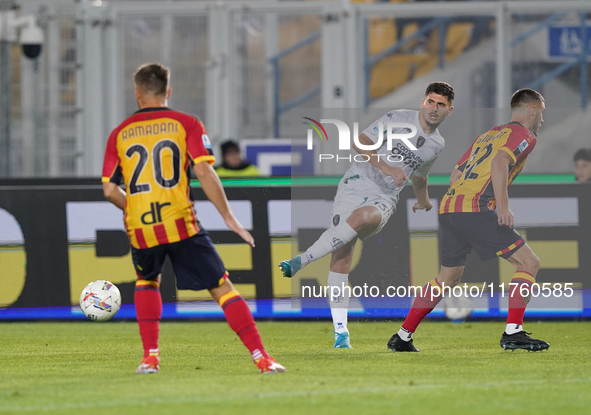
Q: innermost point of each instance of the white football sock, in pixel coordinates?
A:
(404, 334)
(331, 240)
(339, 304)
(513, 328)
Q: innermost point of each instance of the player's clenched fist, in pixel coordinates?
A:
(397, 174)
(506, 217)
(422, 206)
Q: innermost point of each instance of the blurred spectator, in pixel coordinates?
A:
(583, 165)
(232, 163)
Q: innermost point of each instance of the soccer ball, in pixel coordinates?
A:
(100, 300)
(457, 308)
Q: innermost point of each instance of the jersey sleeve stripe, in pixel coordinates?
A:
(160, 232)
(209, 159)
(106, 179)
(141, 241)
(506, 150)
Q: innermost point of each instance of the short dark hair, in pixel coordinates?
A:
(441, 88)
(583, 154)
(152, 78)
(228, 146)
(525, 97)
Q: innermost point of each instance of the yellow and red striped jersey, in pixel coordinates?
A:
(473, 192)
(152, 151)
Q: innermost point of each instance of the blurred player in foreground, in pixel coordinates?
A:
(151, 152)
(368, 192)
(468, 220)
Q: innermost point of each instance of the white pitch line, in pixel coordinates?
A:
(197, 399)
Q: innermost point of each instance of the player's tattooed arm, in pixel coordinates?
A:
(499, 172)
(397, 173)
(419, 185)
(114, 194)
(212, 186)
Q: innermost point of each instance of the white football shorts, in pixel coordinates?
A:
(356, 192)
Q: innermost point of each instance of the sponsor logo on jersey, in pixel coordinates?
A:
(521, 147)
(406, 153)
(420, 141)
(206, 142)
(154, 215)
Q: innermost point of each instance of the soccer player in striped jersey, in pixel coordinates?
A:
(152, 152)
(475, 214)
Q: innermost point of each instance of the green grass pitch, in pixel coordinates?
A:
(77, 368)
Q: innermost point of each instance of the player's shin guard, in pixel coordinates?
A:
(148, 307)
(424, 303)
(331, 240)
(240, 320)
(518, 302)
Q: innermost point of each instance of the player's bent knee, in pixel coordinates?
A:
(226, 287)
(364, 218)
(357, 221)
(451, 276)
(529, 263)
(533, 263)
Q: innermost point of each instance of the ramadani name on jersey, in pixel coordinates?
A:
(154, 128)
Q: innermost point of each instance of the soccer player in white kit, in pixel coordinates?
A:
(368, 192)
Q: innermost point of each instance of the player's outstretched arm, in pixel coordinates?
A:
(396, 173)
(419, 185)
(114, 194)
(212, 186)
(499, 172)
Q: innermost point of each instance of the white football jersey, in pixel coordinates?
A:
(415, 162)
